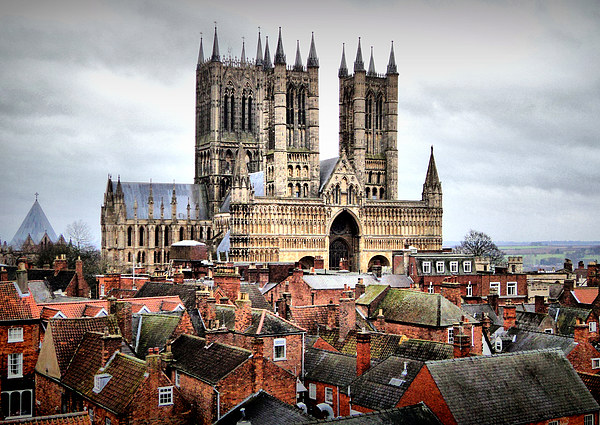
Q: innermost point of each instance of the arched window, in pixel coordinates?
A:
(208, 233)
(181, 233)
(350, 194)
(244, 111)
(369, 114)
(226, 112)
(368, 192)
(129, 236)
(129, 257)
(305, 190)
(290, 106)
(250, 113)
(166, 237)
(301, 107)
(290, 189)
(381, 193)
(298, 190)
(379, 114)
(192, 233)
(232, 127)
(156, 237)
(201, 233)
(141, 235)
(290, 171)
(298, 172)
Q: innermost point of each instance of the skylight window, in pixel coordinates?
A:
(396, 382)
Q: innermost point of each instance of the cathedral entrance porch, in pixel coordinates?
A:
(344, 242)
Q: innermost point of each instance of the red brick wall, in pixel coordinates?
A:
(344, 401)
(202, 397)
(29, 347)
(47, 396)
(581, 357)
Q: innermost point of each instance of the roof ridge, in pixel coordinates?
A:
(331, 352)
(516, 353)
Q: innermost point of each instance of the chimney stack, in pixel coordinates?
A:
(3, 275)
(122, 310)
(380, 325)
(568, 285)
(510, 315)
(331, 315)
(581, 332)
(540, 304)
(258, 363)
(243, 313)
(486, 324)
(359, 289)
(492, 300)
(153, 366)
(263, 277)
(60, 263)
(451, 290)
(363, 352)
(462, 341)
(23, 281)
(227, 278)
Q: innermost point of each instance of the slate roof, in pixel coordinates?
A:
(208, 362)
(254, 294)
(420, 308)
(382, 386)
(35, 224)
(330, 368)
(526, 340)
(152, 330)
(477, 311)
(424, 350)
(566, 317)
(337, 280)
(417, 414)
(224, 245)
(326, 168)
(531, 386)
(269, 325)
(163, 192)
(264, 409)
(396, 280)
(383, 345)
(16, 306)
(57, 281)
(78, 418)
(68, 333)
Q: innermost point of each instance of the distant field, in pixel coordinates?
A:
(552, 255)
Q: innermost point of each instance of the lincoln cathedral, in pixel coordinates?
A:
(261, 192)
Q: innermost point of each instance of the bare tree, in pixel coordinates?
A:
(80, 234)
(480, 245)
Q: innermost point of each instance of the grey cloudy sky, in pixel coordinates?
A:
(508, 93)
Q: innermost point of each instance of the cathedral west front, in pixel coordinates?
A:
(261, 192)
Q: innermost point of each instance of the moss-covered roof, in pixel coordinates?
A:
(371, 292)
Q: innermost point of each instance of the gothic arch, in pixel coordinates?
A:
(383, 260)
(344, 235)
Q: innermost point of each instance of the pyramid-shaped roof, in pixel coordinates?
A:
(35, 224)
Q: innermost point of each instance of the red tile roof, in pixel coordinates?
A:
(74, 309)
(79, 418)
(309, 317)
(15, 306)
(585, 295)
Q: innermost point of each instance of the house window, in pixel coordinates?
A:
(596, 363)
(100, 381)
(453, 266)
(15, 365)
(467, 266)
(177, 379)
(102, 290)
(107, 421)
(592, 326)
(548, 331)
(511, 288)
(15, 334)
(328, 395)
(439, 267)
(469, 290)
(426, 267)
(430, 289)
(553, 423)
(450, 335)
(588, 420)
(312, 391)
(165, 396)
(17, 404)
(495, 288)
(498, 345)
(279, 349)
(91, 413)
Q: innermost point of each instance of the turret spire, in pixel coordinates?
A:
(371, 64)
(432, 188)
(267, 64)
(215, 52)
(259, 53)
(359, 65)
(313, 60)
(432, 174)
(243, 57)
(343, 71)
(298, 64)
(200, 52)
(391, 68)
(279, 54)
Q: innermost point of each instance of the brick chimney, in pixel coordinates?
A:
(178, 278)
(486, 324)
(23, 281)
(298, 273)
(227, 278)
(122, 310)
(363, 352)
(380, 325)
(510, 315)
(153, 367)
(580, 265)
(319, 262)
(211, 312)
(243, 313)
(568, 265)
(347, 314)
(166, 356)
(359, 289)
(450, 289)
(462, 341)
(258, 363)
(492, 300)
(263, 277)
(568, 285)
(60, 263)
(331, 313)
(3, 275)
(108, 345)
(540, 304)
(581, 332)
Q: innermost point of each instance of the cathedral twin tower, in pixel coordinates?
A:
(261, 192)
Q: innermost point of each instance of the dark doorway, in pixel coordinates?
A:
(343, 241)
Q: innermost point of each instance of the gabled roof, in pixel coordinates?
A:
(420, 308)
(255, 296)
(74, 309)
(310, 317)
(78, 418)
(585, 295)
(409, 415)
(330, 368)
(371, 293)
(383, 345)
(264, 409)
(566, 317)
(264, 322)
(424, 350)
(531, 386)
(337, 281)
(58, 281)
(382, 386)
(208, 362)
(15, 305)
(35, 224)
(526, 340)
(152, 330)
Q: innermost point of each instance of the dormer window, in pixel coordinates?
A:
(100, 381)
(467, 266)
(453, 266)
(439, 267)
(426, 267)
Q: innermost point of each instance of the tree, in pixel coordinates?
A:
(80, 234)
(480, 245)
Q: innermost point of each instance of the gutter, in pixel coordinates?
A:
(218, 402)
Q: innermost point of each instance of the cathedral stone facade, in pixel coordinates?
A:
(260, 191)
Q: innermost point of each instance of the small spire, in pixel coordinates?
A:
(173, 196)
(358, 63)
(343, 71)
(200, 52)
(432, 178)
(259, 53)
(391, 68)
(371, 64)
(215, 52)
(151, 195)
(279, 54)
(243, 57)
(267, 64)
(313, 60)
(298, 65)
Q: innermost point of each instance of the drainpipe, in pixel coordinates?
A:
(338, 403)
(303, 334)
(218, 403)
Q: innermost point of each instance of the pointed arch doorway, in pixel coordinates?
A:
(343, 242)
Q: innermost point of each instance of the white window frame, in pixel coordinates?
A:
(596, 363)
(593, 326)
(102, 289)
(430, 289)
(469, 289)
(467, 266)
(453, 266)
(439, 267)
(451, 335)
(329, 395)
(426, 266)
(511, 289)
(495, 285)
(15, 334)
(10, 394)
(554, 423)
(100, 381)
(312, 391)
(165, 395)
(549, 331)
(498, 345)
(15, 365)
(588, 420)
(279, 342)
(177, 379)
